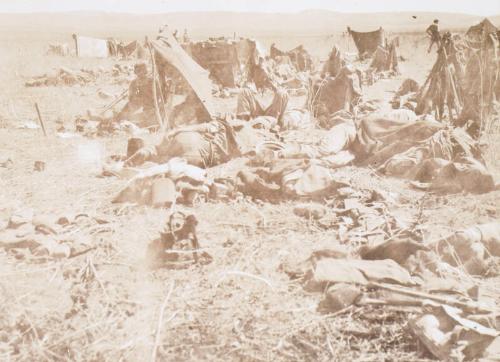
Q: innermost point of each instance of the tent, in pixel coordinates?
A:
(220, 58)
(227, 60)
(171, 60)
(134, 49)
(332, 94)
(91, 47)
(478, 31)
(58, 49)
(480, 85)
(300, 58)
(367, 42)
(385, 58)
(334, 63)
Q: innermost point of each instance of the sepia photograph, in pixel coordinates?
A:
(249, 180)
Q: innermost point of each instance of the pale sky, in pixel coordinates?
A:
(477, 7)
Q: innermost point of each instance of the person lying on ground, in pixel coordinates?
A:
(203, 145)
(345, 134)
(337, 139)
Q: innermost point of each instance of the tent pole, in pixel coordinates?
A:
(452, 82)
(161, 96)
(113, 103)
(157, 109)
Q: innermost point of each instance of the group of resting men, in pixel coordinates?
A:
(205, 141)
(396, 141)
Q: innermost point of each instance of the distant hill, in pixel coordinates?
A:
(204, 24)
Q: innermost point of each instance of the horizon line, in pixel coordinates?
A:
(240, 12)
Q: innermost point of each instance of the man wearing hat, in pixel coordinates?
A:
(433, 32)
(140, 107)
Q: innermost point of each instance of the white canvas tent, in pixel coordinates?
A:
(90, 47)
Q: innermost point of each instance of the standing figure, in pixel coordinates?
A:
(185, 37)
(433, 32)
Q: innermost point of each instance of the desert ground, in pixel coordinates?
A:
(241, 306)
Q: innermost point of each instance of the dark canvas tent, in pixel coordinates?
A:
(385, 58)
(334, 63)
(228, 61)
(478, 31)
(171, 60)
(134, 49)
(367, 42)
(480, 84)
(248, 51)
(59, 49)
(299, 57)
(332, 94)
(220, 58)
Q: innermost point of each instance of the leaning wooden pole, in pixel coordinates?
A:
(157, 108)
(163, 111)
(117, 100)
(452, 83)
(40, 119)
